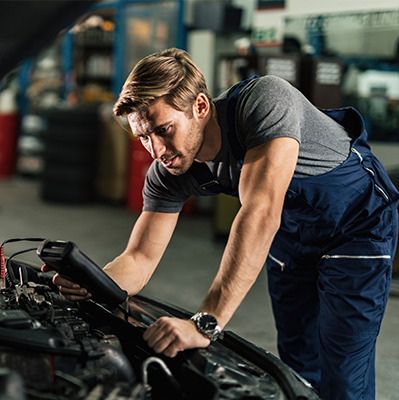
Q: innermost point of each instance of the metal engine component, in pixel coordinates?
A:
(51, 348)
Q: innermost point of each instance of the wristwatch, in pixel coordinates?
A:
(207, 325)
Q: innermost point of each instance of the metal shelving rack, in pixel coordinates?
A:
(122, 10)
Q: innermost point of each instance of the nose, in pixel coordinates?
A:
(157, 147)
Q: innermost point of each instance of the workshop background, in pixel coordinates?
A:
(68, 171)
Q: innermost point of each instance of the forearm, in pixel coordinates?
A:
(265, 177)
(249, 242)
(126, 272)
(147, 243)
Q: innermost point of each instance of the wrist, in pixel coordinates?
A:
(207, 325)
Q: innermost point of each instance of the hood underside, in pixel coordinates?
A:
(27, 26)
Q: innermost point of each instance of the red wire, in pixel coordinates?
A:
(2, 263)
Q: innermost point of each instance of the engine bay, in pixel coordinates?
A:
(52, 348)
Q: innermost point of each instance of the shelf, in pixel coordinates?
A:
(94, 38)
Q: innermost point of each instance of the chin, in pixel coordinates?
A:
(177, 171)
(181, 169)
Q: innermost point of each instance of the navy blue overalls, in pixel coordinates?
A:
(330, 264)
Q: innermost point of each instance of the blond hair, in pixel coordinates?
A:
(170, 73)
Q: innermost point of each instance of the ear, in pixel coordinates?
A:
(201, 106)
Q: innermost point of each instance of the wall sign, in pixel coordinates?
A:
(328, 73)
(265, 4)
(285, 68)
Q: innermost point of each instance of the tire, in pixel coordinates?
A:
(70, 154)
(70, 158)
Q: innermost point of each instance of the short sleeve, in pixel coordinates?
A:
(268, 108)
(164, 192)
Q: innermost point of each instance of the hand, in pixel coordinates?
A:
(70, 290)
(172, 335)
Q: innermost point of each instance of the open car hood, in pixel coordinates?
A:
(26, 27)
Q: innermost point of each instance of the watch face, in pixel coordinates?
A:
(207, 323)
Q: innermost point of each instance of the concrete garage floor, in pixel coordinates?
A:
(186, 271)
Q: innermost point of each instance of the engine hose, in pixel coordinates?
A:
(166, 370)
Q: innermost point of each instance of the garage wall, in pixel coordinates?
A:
(268, 24)
(271, 22)
(311, 6)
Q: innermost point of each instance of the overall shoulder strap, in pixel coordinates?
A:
(232, 100)
(200, 171)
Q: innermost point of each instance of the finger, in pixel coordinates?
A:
(77, 292)
(65, 283)
(154, 332)
(169, 339)
(74, 295)
(186, 337)
(74, 298)
(160, 335)
(165, 343)
(174, 348)
(70, 290)
(45, 268)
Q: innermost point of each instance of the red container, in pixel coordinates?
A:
(139, 162)
(8, 143)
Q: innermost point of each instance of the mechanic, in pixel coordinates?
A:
(314, 202)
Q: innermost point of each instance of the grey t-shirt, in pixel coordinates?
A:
(267, 108)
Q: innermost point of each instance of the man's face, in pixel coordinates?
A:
(171, 138)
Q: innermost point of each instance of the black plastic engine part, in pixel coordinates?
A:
(72, 264)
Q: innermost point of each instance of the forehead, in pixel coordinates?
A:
(140, 122)
(155, 115)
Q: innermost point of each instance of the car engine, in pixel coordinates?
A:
(51, 348)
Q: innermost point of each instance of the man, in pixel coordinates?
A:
(315, 202)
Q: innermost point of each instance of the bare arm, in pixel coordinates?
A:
(265, 177)
(134, 267)
(150, 236)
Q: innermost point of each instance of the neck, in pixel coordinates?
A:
(212, 138)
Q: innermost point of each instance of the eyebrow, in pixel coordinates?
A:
(154, 130)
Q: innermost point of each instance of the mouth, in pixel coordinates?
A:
(169, 163)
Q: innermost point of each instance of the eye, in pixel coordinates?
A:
(143, 138)
(163, 130)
